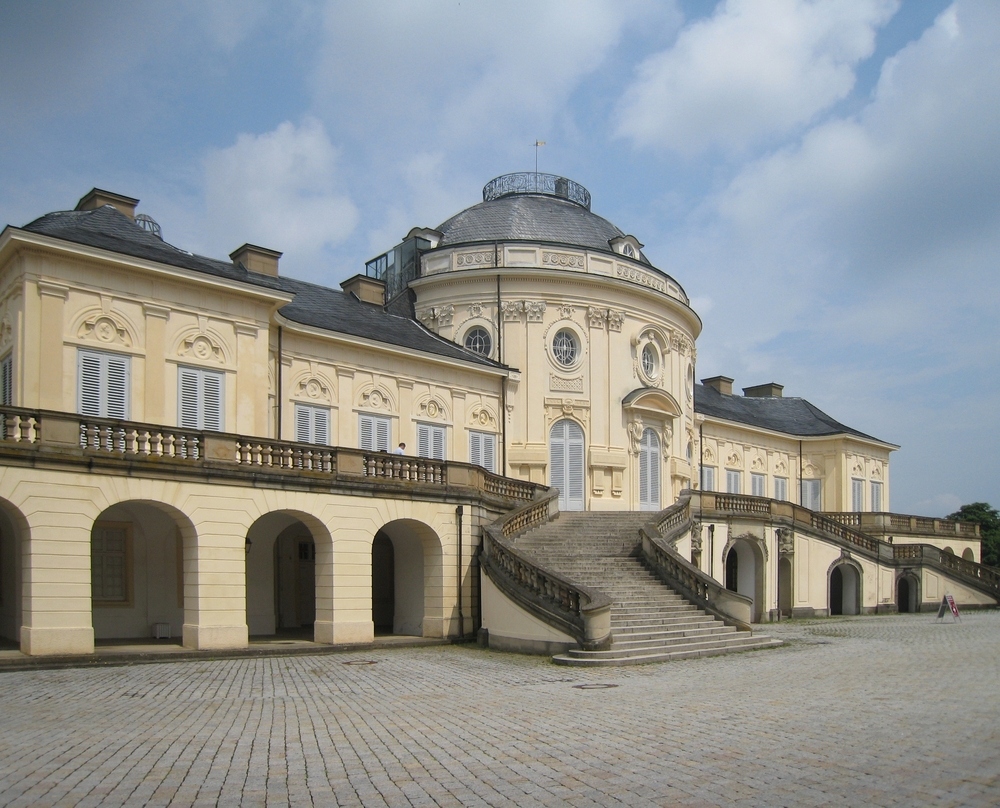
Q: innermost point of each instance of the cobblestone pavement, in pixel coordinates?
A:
(889, 710)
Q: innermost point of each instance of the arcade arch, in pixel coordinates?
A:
(407, 569)
(744, 570)
(845, 588)
(907, 593)
(14, 532)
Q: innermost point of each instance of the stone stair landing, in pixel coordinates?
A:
(650, 622)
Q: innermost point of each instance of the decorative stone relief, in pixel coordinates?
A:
(859, 469)
(313, 388)
(105, 328)
(781, 468)
(483, 418)
(642, 278)
(376, 400)
(535, 310)
(668, 436)
(476, 310)
(696, 537)
(562, 260)
(615, 320)
(512, 310)
(437, 316)
(201, 347)
(877, 472)
(786, 540)
(758, 464)
(635, 430)
(708, 455)
(566, 311)
(478, 258)
(733, 460)
(597, 318)
(6, 333)
(563, 385)
(432, 408)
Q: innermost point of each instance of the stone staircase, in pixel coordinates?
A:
(649, 621)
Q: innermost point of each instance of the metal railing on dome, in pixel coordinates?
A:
(529, 182)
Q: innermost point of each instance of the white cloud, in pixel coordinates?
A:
(279, 190)
(751, 71)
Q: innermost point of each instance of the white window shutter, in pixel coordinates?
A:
(90, 384)
(188, 399)
(382, 434)
(7, 380)
(575, 469)
(437, 443)
(212, 403)
(489, 449)
(321, 419)
(423, 440)
(476, 448)
(303, 433)
(367, 436)
(118, 384)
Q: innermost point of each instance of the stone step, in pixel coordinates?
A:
(692, 651)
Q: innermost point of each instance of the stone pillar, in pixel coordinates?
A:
(156, 368)
(348, 420)
(215, 590)
(52, 387)
(57, 617)
(251, 379)
(345, 616)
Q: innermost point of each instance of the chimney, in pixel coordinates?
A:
(769, 390)
(98, 198)
(257, 259)
(722, 384)
(367, 290)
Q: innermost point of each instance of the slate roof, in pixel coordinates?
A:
(792, 416)
(313, 305)
(530, 217)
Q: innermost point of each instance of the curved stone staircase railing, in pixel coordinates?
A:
(680, 574)
(577, 610)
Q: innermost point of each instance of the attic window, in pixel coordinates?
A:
(628, 251)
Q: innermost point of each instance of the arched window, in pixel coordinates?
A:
(478, 341)
(649, 471)
(566, 470)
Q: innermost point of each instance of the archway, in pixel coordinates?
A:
(566, 468)
(968, 555)
(283, 573)
(136, 570)
(744, 571)
(907, 594)
(949, 551)
(13, 533)
(785, 586)
(406, 565)
(845, 590)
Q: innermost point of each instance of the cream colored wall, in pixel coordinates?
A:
(614, 306)
(514, 628)
(833, 460)
(59, 509)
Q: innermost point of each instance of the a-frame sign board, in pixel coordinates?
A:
(948, 603)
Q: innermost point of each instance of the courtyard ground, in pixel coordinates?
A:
(884, 710)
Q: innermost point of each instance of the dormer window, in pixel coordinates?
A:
(628, 250)
(627, 247)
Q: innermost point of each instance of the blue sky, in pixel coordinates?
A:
(823, 178)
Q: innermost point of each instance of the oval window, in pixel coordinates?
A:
(564, 347)
(478, 341)
(649, 361)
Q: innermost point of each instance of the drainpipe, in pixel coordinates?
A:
(800, 473)
(503, 381)
(277, 431)
(461, 614)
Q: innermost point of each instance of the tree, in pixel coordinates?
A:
(988, 519)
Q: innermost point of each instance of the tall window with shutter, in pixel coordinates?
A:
(430, 441)
(566, 464)
(103, 384)
(7, 380)
(649, 471)
(483, 450)
(374, 431)
(812, 494)
(200, 398)
(857, 495)
(312, 424)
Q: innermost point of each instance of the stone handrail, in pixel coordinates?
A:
(699, 587)
(574, 609)
(883, 523)
(986, 577)
(65, 436)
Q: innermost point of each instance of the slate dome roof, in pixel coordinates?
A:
(527, 207)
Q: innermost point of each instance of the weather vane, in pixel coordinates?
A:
(537, 144)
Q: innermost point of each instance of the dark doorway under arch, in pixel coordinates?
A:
(732, 570)
(383, 583)
(845, 586)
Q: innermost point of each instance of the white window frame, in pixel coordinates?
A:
(758, 484)
(431, 441)
(811, 492)
(104, 382)
(201, 395)
(7, 380)
(781, 488)
(734, 481)
(567, 451)
(483, 450)
(312, 424)
(876, 492)
(708, 478)
(857, 494)
(374, 432)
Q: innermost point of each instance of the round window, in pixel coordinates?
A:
(478, 341)
(564, 347)
(649, 362)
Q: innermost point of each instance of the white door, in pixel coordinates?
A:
(566, 464)
(649, 471)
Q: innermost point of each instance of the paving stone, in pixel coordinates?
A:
(881, 710)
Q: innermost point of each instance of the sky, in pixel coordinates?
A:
(823, 178)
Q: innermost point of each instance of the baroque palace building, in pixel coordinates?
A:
(206, 449)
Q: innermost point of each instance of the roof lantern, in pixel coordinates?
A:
(531, 182)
